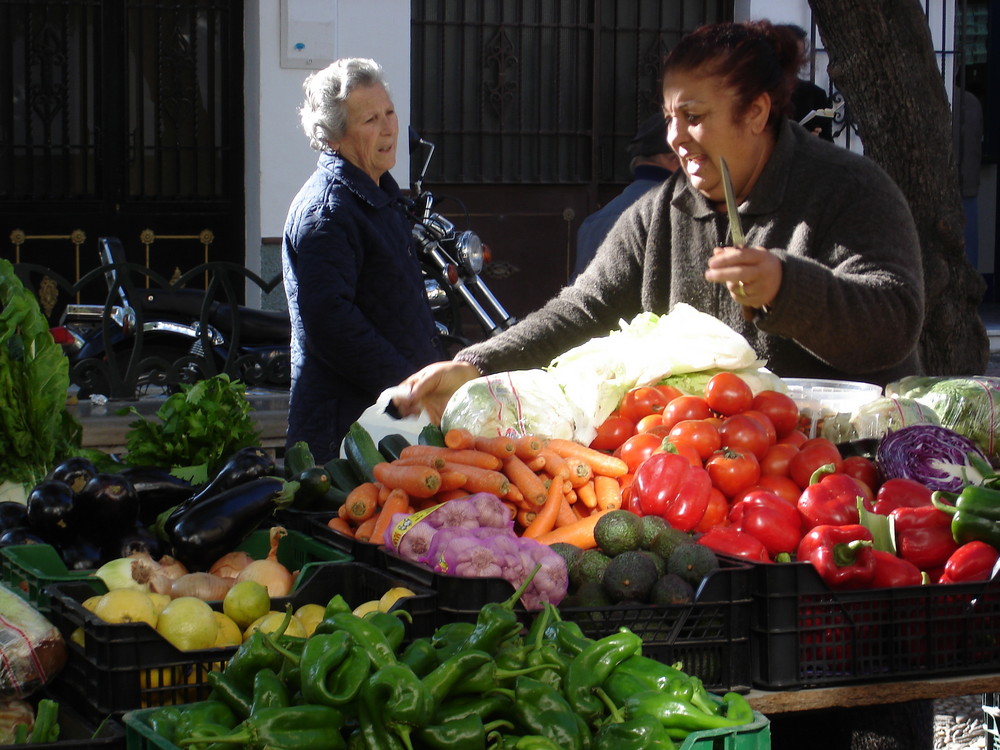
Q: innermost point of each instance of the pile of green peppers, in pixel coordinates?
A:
(486, 685)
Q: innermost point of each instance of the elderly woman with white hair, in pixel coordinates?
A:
(360, 318)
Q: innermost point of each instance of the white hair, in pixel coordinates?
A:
(324, 113)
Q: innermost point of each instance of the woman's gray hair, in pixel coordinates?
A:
(324, 113)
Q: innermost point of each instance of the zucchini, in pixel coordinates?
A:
(431, 435)
(341, 473)
(361, 451)
(298, 458)
(314, 483)
(392, 445)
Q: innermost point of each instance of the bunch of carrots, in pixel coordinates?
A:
(556, 489)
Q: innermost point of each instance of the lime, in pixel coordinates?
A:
(245, 602)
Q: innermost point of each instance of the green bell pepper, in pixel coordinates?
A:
(163, 722)
(591, 668)
(290, 728)
(486, 706)
(468, 733)
(332, 669)
(420, 656)
(975, 515)
(225, 691)
(269, 691)
(394, 693)
(542, 710)
(497, 621)
(196, 717)
(681, 717)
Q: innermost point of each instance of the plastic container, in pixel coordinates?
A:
(821, 400)
(314, 525)
(711, 635)
(806, 635)
(991, 720)
(753, 736)
(30, 568)
(77, 732)
(129, 666)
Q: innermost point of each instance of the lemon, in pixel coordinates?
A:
(310, 615)
(229, 632)
(188, 623)
(91, 602)
(272, 621)
(77, 637)
(159, 601)
(245, 602)
(393, 595)
(363, 609)
(126, 605)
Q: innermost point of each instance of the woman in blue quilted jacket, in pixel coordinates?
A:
(360, 318)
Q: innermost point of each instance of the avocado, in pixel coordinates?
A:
(568, 552)
(661, 564)
(590, 594)
(588, 566)
(692, 562)
(670, 588)
(668, 540)
(630, 575)
(651, 528)
(618, 531)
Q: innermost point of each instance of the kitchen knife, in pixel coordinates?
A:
(735, 227)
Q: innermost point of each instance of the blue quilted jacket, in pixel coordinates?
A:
(360, 319)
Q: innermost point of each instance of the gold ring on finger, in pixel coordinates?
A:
(741, 290)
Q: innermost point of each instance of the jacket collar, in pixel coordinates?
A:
(767, 194)
(358, 182)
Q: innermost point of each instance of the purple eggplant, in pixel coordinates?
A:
(219, 523)
(51, 509)
(20, 535)
(75, 472)
(12, 515)
(138, 539)
(106, 506)
(158, 490)
(81, 554)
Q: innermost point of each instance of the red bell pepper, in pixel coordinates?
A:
(973, 561)
(772, 519)
(923, 536)
(842, 555)
(667, 485)
(728, 540)
(900, 493)
(892, 571)
(831, 499)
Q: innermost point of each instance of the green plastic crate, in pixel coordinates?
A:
(753, 736)
(29, 568)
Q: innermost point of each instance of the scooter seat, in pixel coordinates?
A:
(185, 305)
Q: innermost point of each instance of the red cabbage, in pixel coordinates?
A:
(934, 456)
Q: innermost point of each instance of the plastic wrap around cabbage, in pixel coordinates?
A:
(967, 405)
(935, 456)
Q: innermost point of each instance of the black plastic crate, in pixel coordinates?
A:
(315, 526)
(121, 667)
(710, 636)
(806, 635)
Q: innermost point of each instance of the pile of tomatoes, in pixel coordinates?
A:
(746, 443)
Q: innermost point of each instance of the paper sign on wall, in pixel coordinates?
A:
(308, 33)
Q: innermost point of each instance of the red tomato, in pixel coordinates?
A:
(775, 461)
(782, 486)
(682, 449)
(642, 401)
(742, 433)
(612, 432)
(717, 512)
(810, 457)
(780, 408)
(795, 437)
(638, 448)
(732, 471)
(685, 407)
(700, 434)
(669, 391)
(764, 421)
(649, 421)
(727, 393)
(863, 469)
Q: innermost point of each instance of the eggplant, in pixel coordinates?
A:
(218, 524)
(107, 505)
(51, 509)
(20, 535)
(137, 539)
(158, 490)
(12, 515)
(244, 465)
(81, 554)
(75, 472)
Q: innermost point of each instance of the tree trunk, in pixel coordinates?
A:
(882, 60)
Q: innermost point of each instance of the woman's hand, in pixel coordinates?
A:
(752, 274)
(430, 388)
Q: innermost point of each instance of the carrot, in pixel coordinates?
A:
(482, 480)
(579, 533)
(383, 493)
(500, 447)
(536, 464)
(361, 502)
(364, 531)
(525, 517)
(515, 496)
(608, 492)
(601, 463)
(580, 471)
(443, 497)
(341, 526)
(432, 460)
(469, 456)
(459, 438)
(570, 496)
(566, 513)
(526, 447)
(419, 481)
(397, 502)
(545, 518)
(587, 495)
(555, 465)
(451, 479)
(527, 481)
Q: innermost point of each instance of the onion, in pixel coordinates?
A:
(269, 572)
(172, 568)
(231, 564)
(203, 586)
(147, 571)
(117, 574)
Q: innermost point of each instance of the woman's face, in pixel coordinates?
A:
(700, 129)
(369, 140)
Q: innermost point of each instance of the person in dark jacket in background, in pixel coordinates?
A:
(360, 318)
(808, 97)
(652, 162)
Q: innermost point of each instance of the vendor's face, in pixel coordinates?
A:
(369, 140)
(701, 128)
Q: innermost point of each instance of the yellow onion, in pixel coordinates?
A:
(231, 564)
(203, 586)
(269, 572)
(172, 568)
